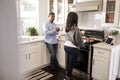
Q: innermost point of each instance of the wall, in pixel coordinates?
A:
(9, 67)
(90, 19)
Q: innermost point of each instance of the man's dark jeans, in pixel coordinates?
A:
(72, 54)
(53, 51)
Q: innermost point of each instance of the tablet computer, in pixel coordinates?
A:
(109, 40)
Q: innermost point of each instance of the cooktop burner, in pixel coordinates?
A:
(93, 42)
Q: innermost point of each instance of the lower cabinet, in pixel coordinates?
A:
(30, 56)
(100, 64)
(45, 58)
(61, 54)
(100, 68)
(36, 54)
(105, 63)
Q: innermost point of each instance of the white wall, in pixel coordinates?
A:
(9, 66)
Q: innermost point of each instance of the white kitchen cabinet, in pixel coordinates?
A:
(45, 56)
(105, 61)
(111, 13)
(30, 56)
(61, 54)
(85, 0)
(100, 68)
(35, 55)
(23, 53)
(100, 64)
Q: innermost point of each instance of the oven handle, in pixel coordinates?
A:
(83, 50)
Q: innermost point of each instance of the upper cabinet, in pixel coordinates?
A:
(70, 5)
(89, 5)
(119, 18)
(111, 13)
(84, 0)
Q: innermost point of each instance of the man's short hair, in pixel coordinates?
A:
(51, 13)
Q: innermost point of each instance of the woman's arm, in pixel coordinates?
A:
(78, 38)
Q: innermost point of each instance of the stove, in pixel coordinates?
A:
(83, 65)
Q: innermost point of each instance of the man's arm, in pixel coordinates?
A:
(48, 31)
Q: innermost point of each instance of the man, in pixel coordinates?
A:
(50, 32)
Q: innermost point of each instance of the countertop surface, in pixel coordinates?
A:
(26, 40)
(104, 45)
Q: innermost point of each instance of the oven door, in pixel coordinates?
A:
(82, 60)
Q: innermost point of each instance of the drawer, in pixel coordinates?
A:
(101, 52)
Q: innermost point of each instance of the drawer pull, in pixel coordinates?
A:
(93, 62)
(100, 52)
(26, 56)
(29, 56)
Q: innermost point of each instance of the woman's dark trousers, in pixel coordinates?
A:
(72, 54)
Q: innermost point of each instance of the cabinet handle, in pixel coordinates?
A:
(29, 56)
(26, 56)
(59, 46)
(93, 62)
(100, 53)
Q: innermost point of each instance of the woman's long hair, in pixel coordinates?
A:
(72, 20)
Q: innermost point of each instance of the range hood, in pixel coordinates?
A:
(93, 5)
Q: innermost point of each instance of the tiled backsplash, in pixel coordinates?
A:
(90, 19)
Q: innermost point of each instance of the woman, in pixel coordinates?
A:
(73, 42)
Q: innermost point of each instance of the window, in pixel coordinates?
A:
(28, 12)
(57, 6)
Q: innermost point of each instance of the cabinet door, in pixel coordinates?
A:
(35, 55)
(61, 54)
(45, 57)
(111, 13)
(85, 0)
(23, 53)
(100, 68)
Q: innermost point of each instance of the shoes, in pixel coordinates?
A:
(52, 68)
(68, 78)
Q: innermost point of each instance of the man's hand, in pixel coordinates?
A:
(57, 29)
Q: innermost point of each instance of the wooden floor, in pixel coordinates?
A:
(59, 74)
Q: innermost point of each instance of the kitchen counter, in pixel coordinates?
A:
(26, 40)
(107, 57)
(104, 45)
